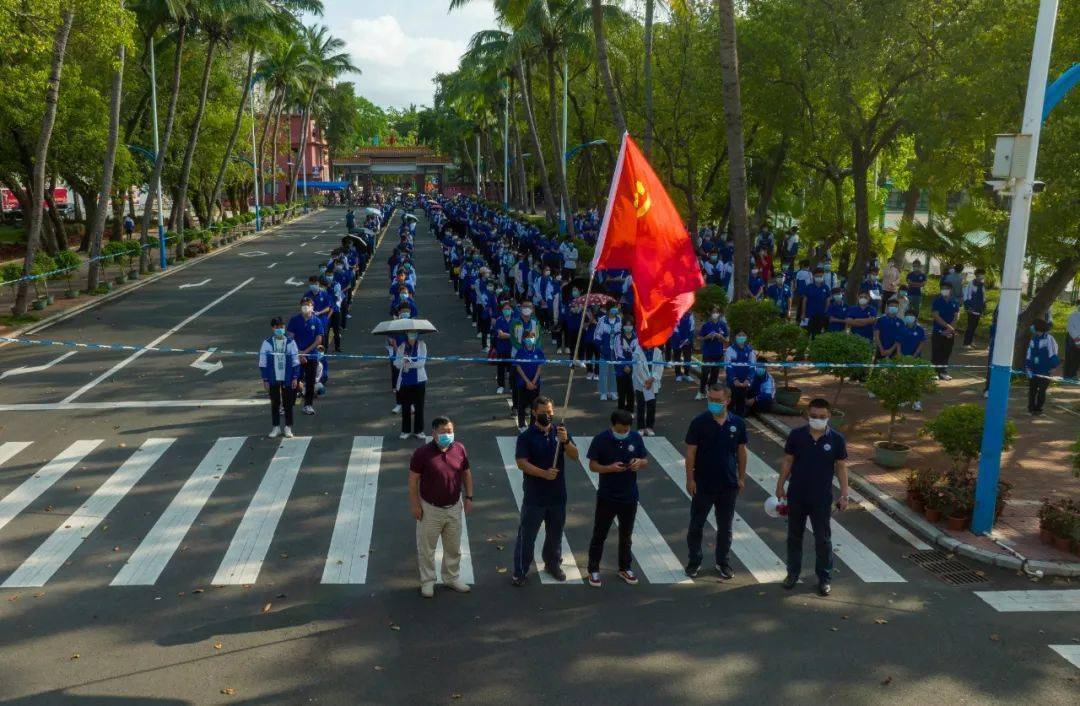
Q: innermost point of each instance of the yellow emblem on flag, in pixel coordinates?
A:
(642, 200)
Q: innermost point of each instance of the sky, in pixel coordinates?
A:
(400, 45)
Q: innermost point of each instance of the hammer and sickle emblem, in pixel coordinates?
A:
(642, 200)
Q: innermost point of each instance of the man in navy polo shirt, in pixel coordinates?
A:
(815, 299)
(945, 310)
(887, 330)
(813, 454)
(715, 473)
(541, 455)
(306, 329)
(616, 455)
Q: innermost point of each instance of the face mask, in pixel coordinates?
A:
(412, 337)
(946, 293)
(1034, 330)
(827, 268)
(543, 419)
(313, 287)
(613, 314)
(338, 268)
(405, 315)
(575, 293)
(530, 342)
(838, 297)
(526, 312)
(713, 258)
(279, 332)
(306, 310)
(818, 424)
(740, 340)
(819, 280)
(754, 272)
(620, 435)
(507, 312)
(445, 440)
(716, 408)
(715, 316)
(627, 329)
(547, 273)
(761, 371)
(864, 302)
(893, 310)
(909, 320)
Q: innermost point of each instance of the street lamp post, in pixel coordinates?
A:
(255, 155)
(563, 206)
(1009, 307)
(163, 259)
(506, 149)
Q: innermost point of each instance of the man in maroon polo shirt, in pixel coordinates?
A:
(438, 472)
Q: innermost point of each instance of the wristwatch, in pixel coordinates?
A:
(469, 498)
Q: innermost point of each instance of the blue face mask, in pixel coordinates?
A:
(445, 440)
(620, 435)
(761, 371)
(279, 332)
(740, 340)
(909, 320)
(716, 408)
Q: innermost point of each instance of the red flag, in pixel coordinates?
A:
(642, 232)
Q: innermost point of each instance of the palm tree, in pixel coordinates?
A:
(282, 68)
(729, 75)
(598, 11)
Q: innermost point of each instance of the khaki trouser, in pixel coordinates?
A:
(439, 522)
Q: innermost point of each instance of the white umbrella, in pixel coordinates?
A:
(409, 216)
(404, 326)
(366, 231)
(373, 211)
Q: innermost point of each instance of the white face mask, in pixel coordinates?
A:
(818, 424)
(306, 310)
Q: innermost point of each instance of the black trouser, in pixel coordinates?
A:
(606, 512)
(281, 394)
(819, 514)
(723, 503)
(755, 406)
(682, 353)
(940, 351)
(346, 302)
(624, 386)
(503, 372)
(483, 325)
(710, 372)
(646, 411)
(1037, 393)
(592, 353)
(818, 323)
(335, 329)
(524, 401)
(914, 303)
(1072, 357)
(568, 273)
(411, 398)
(972, 324)
(308, 371)
(738, 399)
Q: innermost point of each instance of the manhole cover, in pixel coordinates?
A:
(947, 568)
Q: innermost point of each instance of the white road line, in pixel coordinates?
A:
(303, 245)
(246, 552)
(126, 404)
(29, 490)
(762, 562)
(1037, 601)
(651, 551)
(62, 543)
(347, 560)
(1069, 652)
(153, 553)
(271, 266)
(93, 383)
(507, 448)
(864, 563)
(465, 567)
(857, 498)
(10, 448)
(289, 254)
(36, 368)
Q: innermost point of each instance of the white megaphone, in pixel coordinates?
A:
(775, 507)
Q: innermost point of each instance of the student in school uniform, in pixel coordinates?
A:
(714, 336)
(307, 331)
(837, 312)
(624, 365)
(815, 303)
(605, 337)
(974, 306)
(1040, 361)
(887, 332)
(501, 333)
(527, 362)
(410, 360)
(862, 316)
(648, 378)
(279, 365)
(945, 310)
(916, 280)
(739, 362)
(680, 347)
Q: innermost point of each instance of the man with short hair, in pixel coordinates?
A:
(438, 473)
(307, 330)
(813, 454)
(715, 473)
(974, 306)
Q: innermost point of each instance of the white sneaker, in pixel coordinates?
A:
(458, 586)
(499, 390)
(916, 405)
(287, 433)
(699, 396)
(308, 409)
(274, 433)
(650, 432)
(427, 590)
(478, 334)
(396, 409)
(422, 437)
(521, 430)
(404, 435)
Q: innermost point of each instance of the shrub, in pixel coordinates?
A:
(959, 430)
(897, 386)
(134, 252)
(786, 340)
(1076, 457)
(752, 316)
(837, 350)
(111, 254)
(43, 264)
(10, 274)
(68, 261)
(707, 297)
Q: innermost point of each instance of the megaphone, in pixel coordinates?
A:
(775, 507)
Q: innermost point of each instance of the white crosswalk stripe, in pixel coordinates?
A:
(465, 567)
(347, 560)
(762, 563)
(17, 500)
(653, 555)
(859, 558)
(153, 553)
(62, 543)
(507, 449)
(10, 448)
(246, 552)
(1036, 601)
(1069, 652)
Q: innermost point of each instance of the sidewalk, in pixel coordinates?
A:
(1038, 465)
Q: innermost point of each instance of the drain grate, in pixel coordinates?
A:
(947, 568)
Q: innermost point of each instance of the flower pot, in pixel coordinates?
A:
(120, 279)
(1061, 543)
(71, 293)
(891, 455)
(917, 505)
(49, 299)
(133, 275)
(39, 304)
(1046, 536)
(837, 419)
(932, 514)
(108, 285)
(955, 522)
(788, 396)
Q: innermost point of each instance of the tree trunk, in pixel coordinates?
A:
(768, 188)
(472, 164)
(294, 171)
(556, 142)
(538, 151)
(270, 109)
(235, 131)
(115, 96)
(59, 232)
(911, 202)
(648, 77)
(163, 145)
(37, 184)
(189, 154)
(860, 166)
(274, 150)
(523, 188)
(729, 73)
(604, 68)
(1064, 272)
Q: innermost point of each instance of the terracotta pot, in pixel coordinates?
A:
(932, 514)
(1061, 543)
(955, 523)
(1046, 536)
(917, 505)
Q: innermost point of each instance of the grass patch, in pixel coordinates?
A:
(17, 320)
(10, 234)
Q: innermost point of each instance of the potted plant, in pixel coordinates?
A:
(937, 501)
(132, 251)
(68, 261)
(921, 484)
(43, 265)
(834, 352)
(112, 254)
(10, 275)
(959, 429)
(894, 386)
(786, 340)
(962, 496)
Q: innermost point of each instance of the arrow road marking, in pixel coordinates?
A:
(201, 363)
(36, 368)
(271, 266)
(303, 244)
(189, 285)
(294, 282)
(252, 253)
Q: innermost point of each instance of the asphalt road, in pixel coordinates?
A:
(156, 548)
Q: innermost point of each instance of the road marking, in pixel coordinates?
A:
(347, 560)
(30, 489)
(153, 553)
(294, 282)
(857, 498)
(762, 562)
(507, 448)
(10, 448)
(36, 368)
(1037, 601)
(465, 567)
(62, 543)
(252, 253)
(93, 383)
(1069, 652)
(191, 285)
(316, 236)
(303, 245)
(289, 254)
(657, 561)
(201, 364)
(126, 404)
(271, 266)
(249, 545)
(863, 562)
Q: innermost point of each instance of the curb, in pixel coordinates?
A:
(934, 534)
(143, 281)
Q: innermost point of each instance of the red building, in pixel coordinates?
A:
(315, 161)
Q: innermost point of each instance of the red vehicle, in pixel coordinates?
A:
(12, 208)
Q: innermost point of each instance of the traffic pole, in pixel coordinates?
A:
(163, 258)
(1012, 271)
(255, 155)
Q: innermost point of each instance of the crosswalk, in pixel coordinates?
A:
(237, 557)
